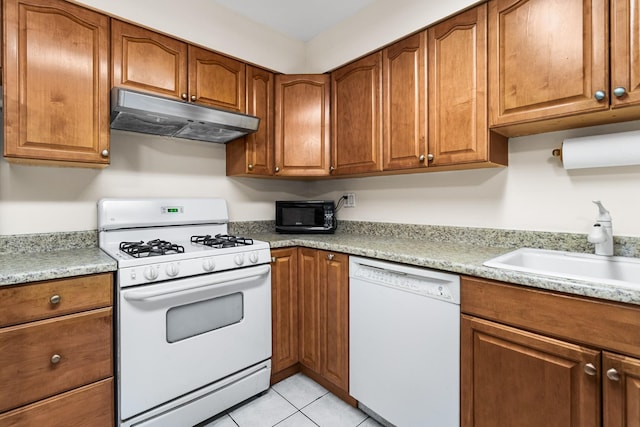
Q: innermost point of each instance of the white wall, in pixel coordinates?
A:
(533, 193)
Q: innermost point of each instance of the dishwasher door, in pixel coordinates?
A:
(404, 337)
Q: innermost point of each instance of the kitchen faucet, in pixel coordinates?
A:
(602, 232)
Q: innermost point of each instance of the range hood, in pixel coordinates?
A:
(145, 113)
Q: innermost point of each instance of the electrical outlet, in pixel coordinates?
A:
(350, 201)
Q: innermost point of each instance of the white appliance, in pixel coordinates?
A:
(404, 343)
(193, 304)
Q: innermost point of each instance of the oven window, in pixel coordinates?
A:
(308, 216)
(199, 317)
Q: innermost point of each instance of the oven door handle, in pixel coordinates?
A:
(225, 279)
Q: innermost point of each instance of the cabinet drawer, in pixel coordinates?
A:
(89, 405)
(25, 303)
(28, 356)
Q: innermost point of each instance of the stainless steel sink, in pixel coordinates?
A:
(613, 270)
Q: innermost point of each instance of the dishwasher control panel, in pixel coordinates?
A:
(427, 286)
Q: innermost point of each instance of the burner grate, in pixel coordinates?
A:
(151, 248)
(221, 241)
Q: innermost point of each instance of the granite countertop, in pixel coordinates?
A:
(34, 266)
(456, 250)
(456, 257)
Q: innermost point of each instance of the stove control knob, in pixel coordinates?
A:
(172, 270)
(151, 272)
(253, 257)
(208, 265)
(239, 259)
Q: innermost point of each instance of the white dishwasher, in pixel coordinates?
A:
(404, 338)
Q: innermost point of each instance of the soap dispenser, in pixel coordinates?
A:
(602, 231)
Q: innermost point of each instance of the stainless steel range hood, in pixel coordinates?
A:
(144, 113)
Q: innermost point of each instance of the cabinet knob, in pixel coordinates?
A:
(600, 95)
(619, 91)
(193, 98)
(430, 157)
(105, 153)
(273, 259)
(277, 169)
(589, 369)
(250, 167)
(330, 257)
(421, 158)
(55, 359)
(331, 169)
(613, 375)
(184, 96)
(55, 299)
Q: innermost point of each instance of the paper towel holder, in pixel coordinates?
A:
(595, 151)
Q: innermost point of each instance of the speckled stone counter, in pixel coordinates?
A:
(460, 256)
(35, 257)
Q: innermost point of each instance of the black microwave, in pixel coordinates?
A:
(305, 216)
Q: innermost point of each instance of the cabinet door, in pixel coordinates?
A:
(510, 377)
(284, 308)
(404, 73)
(625, 59)
(148, 61)
(216, 80)
(309, 304)
(621, 391)
(458, 127)
(302, 125)
(356, 112)
(546, 58)
(334, 297)
(56, 84)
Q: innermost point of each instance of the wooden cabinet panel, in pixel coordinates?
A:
(621, 390)
(309, 303)
(302, 143)
(284, 308)
(216, 80)
(546, 58)
(93, 402)
(56, 63)
(148, 61)
(82, 342)
(404, 76)
(458, 123)
(54, 298)
(253, 154)
(334, 279)
(356, 110)
(526, 380)
(625, 54)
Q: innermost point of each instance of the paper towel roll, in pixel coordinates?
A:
(616, 149)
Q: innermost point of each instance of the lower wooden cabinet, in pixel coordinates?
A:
(56, 352)
(550, 359)
(284, 312)
(310, 303)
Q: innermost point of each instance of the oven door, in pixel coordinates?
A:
(180, 335)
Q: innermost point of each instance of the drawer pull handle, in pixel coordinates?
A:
(55, 299)
(613, 375)
(55, 359)
(590, 369)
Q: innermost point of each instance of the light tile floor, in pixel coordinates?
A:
(296, 401)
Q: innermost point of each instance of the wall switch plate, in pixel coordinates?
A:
(350, 200)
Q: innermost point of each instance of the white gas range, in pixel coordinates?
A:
(193, 321)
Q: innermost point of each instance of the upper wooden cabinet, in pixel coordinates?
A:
(458, 125)
(253, 154)
(356, 116)
(56, 62)
(149, 61)
(549, 64)
(302, 143)
(404, 76)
